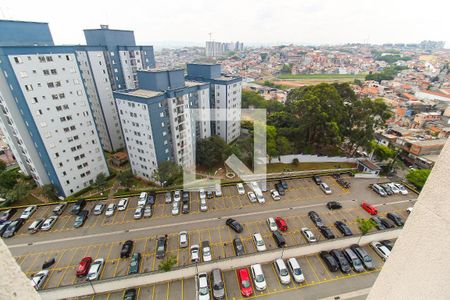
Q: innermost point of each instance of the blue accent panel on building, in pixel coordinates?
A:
(109, 37)
(206, 71)
(157, 132)
(20, 33)
(148, 55)
(161, 80)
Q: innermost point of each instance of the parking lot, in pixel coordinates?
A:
(316, 275)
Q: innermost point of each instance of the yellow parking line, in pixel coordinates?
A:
(32, 264)
(65, 271)
(153, 292)
(312, 268)
(325, 267)
(182, 288)
(168, 290)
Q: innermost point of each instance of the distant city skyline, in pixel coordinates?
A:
(263, 22)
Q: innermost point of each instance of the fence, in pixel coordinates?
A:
(304, 158)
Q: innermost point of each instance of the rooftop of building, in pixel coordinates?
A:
(19, 21)
(428, 143)
(142, 93)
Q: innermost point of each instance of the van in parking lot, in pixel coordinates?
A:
(218, 286)
(295, 269)
(34, 227)
(282, 271)
(279, 239)
(258, 277)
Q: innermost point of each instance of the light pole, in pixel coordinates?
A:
(92, 286)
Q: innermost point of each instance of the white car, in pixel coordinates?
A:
(240, 188)
(177, 195)
(147, 211)
(409, 210)
(272, 225)
(203, 286)
(98, 209)
(252, 197)
(206, 252)
(142, 199)
(48, 224)
(203, 206)
(309, 235)
(195, 255)
(295, 269)
(260, 197)
(282, 271)
(259, 242)
(175, 208)
(38, 279)
(202, 193)
(393, 187)
(381, 250)
(95, 269)
(184, 239)
(258, 277)
(275, 195)
(402, 189)
(123, 203)
(168, 197)
(28, 212)
(218, 190)
(325, 188)
(138, 213)
(110, 210)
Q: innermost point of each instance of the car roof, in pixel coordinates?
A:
(294, 263)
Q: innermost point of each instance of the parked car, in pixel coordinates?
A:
(122, 205)
(95, 269)
(279, 239)
(203, 206)
(252, 197)
(203, 286)
(28, 212)
(218, 285)
(342, 261)
(380, 249)
(175, 208)
(184, 239)
(387, 189)
(259, 242)
(259, 279)
(316, 218)
(4, 226)
(36, 225)
(48, 223)
(334, 205)
(379, 190)
(325, 188)
(134, 263)
(389, 244)
(48, 263)
(147, 211)
(282, 271)
(240, 188)
(59, 209)
(272, 225)
(177, 195)
(409, 210)
(98, 208)
(387, 223)
(138, 213)
(284, 184)
(235, 225)
(394, 188)
(238, 247)
(244, 282)
(142, 199)
(83, 266)
(218, 190)
(126, 249)
(309, 236)
(185, 196)
(81, 218)
(354, 260)
(280, 189)
(161, 246)
(402, 189)
(185, 209)
(329, 260)
(327, 233)
(130, 294)
(275, 195)
(209, 194)
(369, 208)
(317, 179)
(206, 251)
(365, 258)
(38, 279)
(110, 210)
(78, 206)
(260, 197)
(202, 193)
(377, 222)
(394, 217)
(168, 197)
(281, 224)
(7, 214)
(195, 253)
(296, 270)
(151, 199)
(12, 228)
(343, 228)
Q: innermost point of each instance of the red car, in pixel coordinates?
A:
(83, 267)
(281, 223)
(369, 208)
(244, 282)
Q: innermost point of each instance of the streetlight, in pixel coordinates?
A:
(92, 286)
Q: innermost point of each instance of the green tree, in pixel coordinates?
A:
(19, 191)
(211, 151)
(284, 146)
(272, 149)
(49, 191)
(252, 99)
(125, 178)
(168, 263)
(286, 69)
(382, 152)
(364, 225)
(101, 182)
(8, 180)
(2, 166)
(169, 173)
(418, 177)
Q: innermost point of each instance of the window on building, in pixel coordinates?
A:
(23, 74)
(17, 59)
(28, 87)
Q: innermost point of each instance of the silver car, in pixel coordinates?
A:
(184, 239)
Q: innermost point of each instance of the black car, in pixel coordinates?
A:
(130, 294)
(126, 249)
(81, 218)
(209, 194)
(185, 209)
(342, 261)
(377, 222)
(48, 263)
(151, 199)
(317, 179)
(4, 226)
(387, 223)
(161, 246)
(185, 196)
(280, 189)
(329, 261)
(316, 218)
(279, 239)
(343, 228)
(238, 247)
(77, 207)
(334, 205)
(13, 227)
(363, 256)
(284, 184)
(389, 244)
(396, 219)
(235, 225)
(327, 233)
(7, 214)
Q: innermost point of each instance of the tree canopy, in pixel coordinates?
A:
(418, 177)
(169, 173)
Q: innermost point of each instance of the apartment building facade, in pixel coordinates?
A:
(157, 122)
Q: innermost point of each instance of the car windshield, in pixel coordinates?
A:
(283, 272)
(218, 286)
(245, 283)
(297, 271)
(260, 243)
(367, 259)
(133, 262)
(259, 278)
(79, 219)
(203, 291)
(206, 252)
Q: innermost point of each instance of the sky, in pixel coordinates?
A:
(254, 22)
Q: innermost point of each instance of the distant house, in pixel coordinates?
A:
(368, 167)
(119, 158)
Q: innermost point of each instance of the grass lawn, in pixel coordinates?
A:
(321, 76)
(279, 167)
